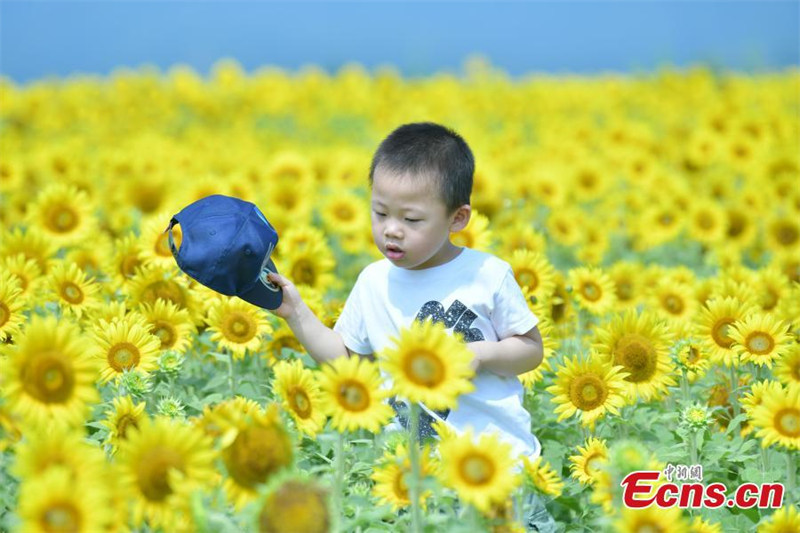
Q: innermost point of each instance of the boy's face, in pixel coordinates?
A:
(410, 223)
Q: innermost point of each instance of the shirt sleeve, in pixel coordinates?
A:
(351, 325)
(511, 315)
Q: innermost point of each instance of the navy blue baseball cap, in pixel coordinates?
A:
(226, 245)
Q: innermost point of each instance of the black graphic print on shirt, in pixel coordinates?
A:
(459, 317)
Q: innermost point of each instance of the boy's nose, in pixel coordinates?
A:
(392, 231)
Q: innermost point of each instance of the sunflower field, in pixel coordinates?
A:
(652, 220)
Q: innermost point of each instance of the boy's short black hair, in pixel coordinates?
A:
(428, 148)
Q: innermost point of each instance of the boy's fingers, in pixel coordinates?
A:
(277, 279)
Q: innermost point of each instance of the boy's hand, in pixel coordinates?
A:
(475, 348)
(291, 297)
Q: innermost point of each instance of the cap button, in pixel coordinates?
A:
(247, 251)
(212, 232)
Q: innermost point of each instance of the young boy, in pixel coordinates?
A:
(421, 178)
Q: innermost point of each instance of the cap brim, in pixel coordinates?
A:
(262, 294)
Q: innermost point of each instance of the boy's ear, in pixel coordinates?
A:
(460, 218)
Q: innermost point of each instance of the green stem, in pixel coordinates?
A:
(791, 473)
(230, 374)
(416, 478)
(764, 463)
(693, 447)
(685, 387)
(734, 397)
(338, 491)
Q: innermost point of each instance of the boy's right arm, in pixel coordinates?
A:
(322, 343)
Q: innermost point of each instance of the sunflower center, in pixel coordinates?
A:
(720, 332)
(165, 333)
(591, 291)
(637, 355)
(705, 221)
(303, 272)
(787, 234)
(353, 396)
(624, 290)
(295, 506)
(759, 342)
(594, 464)
(476, 469)
(587, 392)
(62, 219)
(301, 404)
(123, 356)
(692, 355)
(71, 292)
(128, 265)
(5, 314)
(344, 212)
(257, 453)
(153, 472)
(48, 378)
(167, 290)
(238, 327)
(126, 421)
(787, 422)
(60, 517)
(527, 278)
(673, 304)
(424, 368)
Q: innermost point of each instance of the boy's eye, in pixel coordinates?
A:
(413, 219)
(379, 214)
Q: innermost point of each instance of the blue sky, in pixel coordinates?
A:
(41, 38)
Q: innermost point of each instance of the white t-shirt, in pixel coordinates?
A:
(474, 293)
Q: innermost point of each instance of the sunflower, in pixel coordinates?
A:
(640, 344)
(591, 386)
(121, 418)
(154, 240)
(674, 301)
(587, 465)
(715, 324)
(482, 472)
(352, 395)
(740, 225)
(170, 324)
(54, 501)
(161, 462)
(592, 289)
(784, 520)
(706, 221)
(10, 431)
(237, 325)
(344, 212)
(63, 213)
(782, 233)
(152, 282)
(90, 257)
(564, 225)
(282, 338)
(519, 235)
(73, 289)
(123, 345)
(652, 518)
(535, 275)
(787, 368)
(255, 447)
(26, 271)
(312, 266)
(123, 260)
(32, 243)
(543, 476)
(300, 395)
(692, 356)
(755, 396)
(390, 477)
(214, 419)
(301, 237)
(428, 365)
(772, 287)
(660, 222)
(47, 377)
(760, 338)
(48, 448)
(476, 235)
(11, 306)
(778, 417)
(588, 180)
(295, 506)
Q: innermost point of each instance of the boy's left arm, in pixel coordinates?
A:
(510, 356)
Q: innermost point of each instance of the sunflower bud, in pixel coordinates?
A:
(135, 383)
(694, 417)
(171, 407)
(170, 362)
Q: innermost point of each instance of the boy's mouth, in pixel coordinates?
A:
(394, 252)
